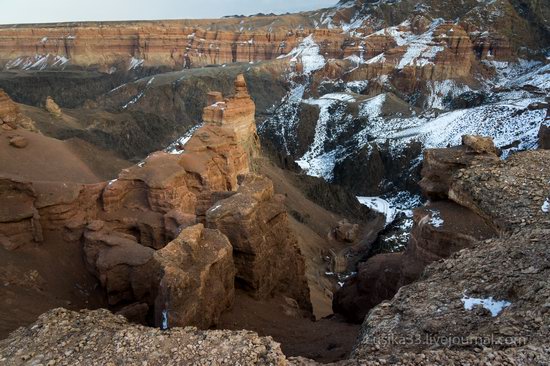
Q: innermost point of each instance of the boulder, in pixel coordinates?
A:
(10, 115)
(346, 231)
(19, 142)
(53, 108)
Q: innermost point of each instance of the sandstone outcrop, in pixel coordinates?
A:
(266, 253)
(193, 278)
(439, 165)
(509, 194)
(142, 234)
(52, 107)
(129, 46)
(10, 115)
(236, 113)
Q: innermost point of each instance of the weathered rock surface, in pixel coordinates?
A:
(439, 165)
(440, 229)
(11, 116)
(139, 232)
(101, 338)
(193, 278)
(266, 252)
(509, 194)
(433, 309)
(175, 44)
(52, 107)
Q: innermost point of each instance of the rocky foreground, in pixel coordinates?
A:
(485, 304)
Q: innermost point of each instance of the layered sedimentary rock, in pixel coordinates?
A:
(127, 46)
(266, 251)
(193, 278)
(236, 113)
(439, 165)
(440, 229)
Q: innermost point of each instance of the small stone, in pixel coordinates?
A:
(19, 142)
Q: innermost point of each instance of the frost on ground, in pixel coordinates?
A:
(494, 306)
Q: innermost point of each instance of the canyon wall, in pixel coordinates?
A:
(120, 46)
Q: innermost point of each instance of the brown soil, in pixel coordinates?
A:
(35, 279)
(48, 159)
(325, 340)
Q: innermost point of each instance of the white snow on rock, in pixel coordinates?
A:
(309, 53)
(546, 206)
(439, 90)
(494, 306)
(380, 205)
(135, 63)
(436, 220)
(175, 147)
(135, 99)
(37, 62)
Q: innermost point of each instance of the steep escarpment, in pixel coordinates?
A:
(171, 44)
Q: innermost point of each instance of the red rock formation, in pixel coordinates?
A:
(11, 116)
(177, 44)
(266, 252)
(237, 114)
(439, 165)
(193, 277)
(137, 230)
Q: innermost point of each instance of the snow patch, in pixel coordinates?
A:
(309, 53)
(436, 220)
(546, 206)
(494, 306)
(135, 63)
(380, 205)
(178, 147)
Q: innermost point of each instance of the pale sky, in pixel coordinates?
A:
(41, 11)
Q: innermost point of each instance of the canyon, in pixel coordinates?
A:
(362, 184)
